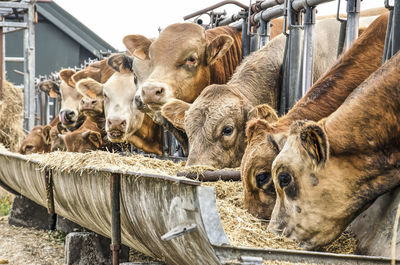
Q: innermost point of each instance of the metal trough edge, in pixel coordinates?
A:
(151, 206)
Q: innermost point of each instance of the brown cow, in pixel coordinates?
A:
(56, 143)
(37, 141)
(215, 122)
(124, 122)
(265, 140)
(86, 138)
(328, 171)
(184, 60)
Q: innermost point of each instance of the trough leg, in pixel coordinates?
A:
(115, 218)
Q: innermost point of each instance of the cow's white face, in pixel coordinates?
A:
(70, 98)
(123, 118)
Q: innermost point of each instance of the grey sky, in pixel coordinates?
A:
(112, 20)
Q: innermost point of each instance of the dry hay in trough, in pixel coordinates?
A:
(241, 227)
(11, 108)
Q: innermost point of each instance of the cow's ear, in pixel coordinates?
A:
(313, 140)
(137, 45)
(92, 72)
(174, 111)
(93, 137)
(46, 134)
(120, 62)
(257, 127)
(90, 88)
(263, 111)
(50, 88)
(218, 47)
(66, 76)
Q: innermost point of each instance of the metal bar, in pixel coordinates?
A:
(229, 20)
(231, 253)
(308, 49)
(14, 24)
(245, 39)
(264, 33)
(43, 108)
(1, 62)
(257, 7)
(267, 15)
(20, 5)
(387, 48)
(212, 175)
(396, 27)
(48, 180)
(353, 15)
(204, 10)
(115, 186)
(298, 5)
(14, 59)
(29, 69)
(342, 37)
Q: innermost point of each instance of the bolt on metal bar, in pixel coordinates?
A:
(308, 49)
(115, 185)
(353, 16)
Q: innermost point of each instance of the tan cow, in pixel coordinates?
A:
(215, 122)
(37, 141)
(265, 140)
(328, 171)
(184, 59)
(124, 122)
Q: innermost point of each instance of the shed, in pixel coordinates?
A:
(61, 41)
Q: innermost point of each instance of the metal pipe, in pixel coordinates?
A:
(396, 27)
(267, 15)
(245, 39)
(308, 49)
(14, 59)
(353, 16)
(257, 7)
(204, 10)
(388, 40)
(229, 20)
(115, 217)
(1, 62)
(264, 33)
(298, 5)
(212, 175)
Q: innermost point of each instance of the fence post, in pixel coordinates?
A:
(353, 16)
(115, 184)
(308, 49)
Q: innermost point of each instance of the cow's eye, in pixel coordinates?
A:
(284, 179)
(191, 61)
(262, 178)
(227, 130)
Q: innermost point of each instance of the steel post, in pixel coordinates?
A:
(115, 217)
(308, 49)
(264, 33)
(245, 39)
(353, 16)
(396, 27)
(29, 69)
(2, 55)
(387, 50)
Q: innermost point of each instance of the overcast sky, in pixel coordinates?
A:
(112, 20)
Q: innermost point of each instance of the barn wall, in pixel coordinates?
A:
(54, 50)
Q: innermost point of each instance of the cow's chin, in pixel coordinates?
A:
(116, 136)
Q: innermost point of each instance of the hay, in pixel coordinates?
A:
(241, 227)
(11, 108)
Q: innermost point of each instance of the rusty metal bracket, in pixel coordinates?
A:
(48, 180)
(115, 186)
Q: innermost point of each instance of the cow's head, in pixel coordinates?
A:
(215, 125)
(122, 116)
(37, 141)
(180, 60)
(82, 141)
(99, 71)
(312, 205)
(56, 142)
(69, 114)
(51, 88)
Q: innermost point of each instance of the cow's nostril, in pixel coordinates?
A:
(109, 122)
(123, 123)
(159, 91)
(94, 102)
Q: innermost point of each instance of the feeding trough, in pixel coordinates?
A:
(174, 219)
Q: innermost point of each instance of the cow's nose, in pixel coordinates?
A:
(116, 124)
(153, 93)
(139, 102)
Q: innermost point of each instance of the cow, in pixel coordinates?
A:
(327, 172)
(184, 59)
(215, 121)
(124, 122)
(37, 141)
(266, 139)
(87, 138)
(56, 143)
